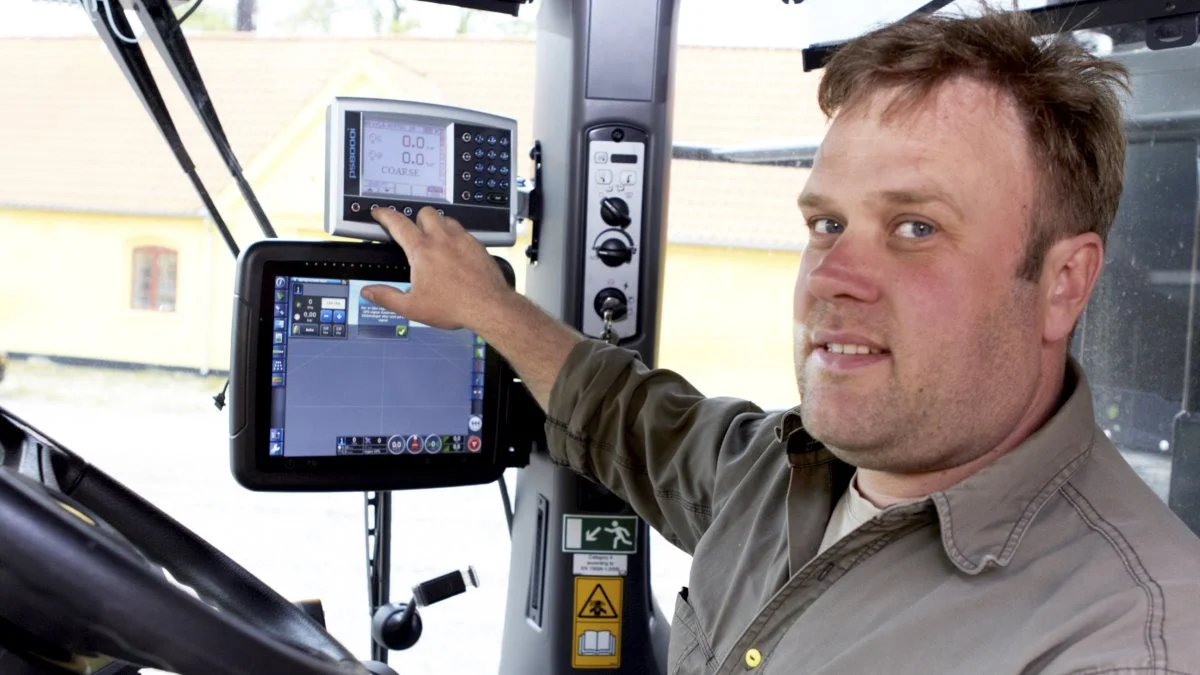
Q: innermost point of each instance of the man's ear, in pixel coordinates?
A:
(1071, 268)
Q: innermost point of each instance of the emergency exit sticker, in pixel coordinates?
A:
(600, 534)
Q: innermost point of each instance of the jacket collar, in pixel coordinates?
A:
(984, 517)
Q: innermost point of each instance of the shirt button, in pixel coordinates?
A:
(753, 658)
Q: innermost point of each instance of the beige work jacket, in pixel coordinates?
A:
(1057, 558)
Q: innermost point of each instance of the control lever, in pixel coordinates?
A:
(397, 626)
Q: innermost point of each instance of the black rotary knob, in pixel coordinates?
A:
(614, 252)
(614, 211)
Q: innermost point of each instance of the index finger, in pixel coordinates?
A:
(404, 231)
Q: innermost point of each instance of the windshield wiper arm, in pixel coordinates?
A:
(133, 64)
(165, 32)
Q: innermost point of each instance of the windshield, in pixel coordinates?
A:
(117, 288)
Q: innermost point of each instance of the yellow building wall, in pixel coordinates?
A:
(68, 280)
(726, 313)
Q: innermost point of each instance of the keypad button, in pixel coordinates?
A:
(478, 196)
(479, 182)
(491, 168)
(504, 141)
(491, 154)
(479, 138)
(492, 140)
(504, 171)
(479, 167)
(504, 155)
(491, 182)
(479, 153)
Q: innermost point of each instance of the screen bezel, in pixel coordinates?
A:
(253, 466)
(336, 157)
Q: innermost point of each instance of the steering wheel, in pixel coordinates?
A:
(81, 574)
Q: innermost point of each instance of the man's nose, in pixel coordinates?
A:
(849, 270)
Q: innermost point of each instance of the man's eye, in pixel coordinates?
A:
(915, 229)
(827, 226)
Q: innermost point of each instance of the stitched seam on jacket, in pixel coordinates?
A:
(1011, 540)
(1133, 565)
(1119, 670)
(626, 463)
(1056, 481)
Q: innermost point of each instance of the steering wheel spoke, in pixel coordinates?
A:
(85, 558)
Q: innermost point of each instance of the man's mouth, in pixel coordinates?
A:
(850, 348)
(846, 351)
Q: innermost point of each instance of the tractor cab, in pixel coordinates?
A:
(216, 456)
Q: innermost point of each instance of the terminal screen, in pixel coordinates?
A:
(401, 158)
(349, 377)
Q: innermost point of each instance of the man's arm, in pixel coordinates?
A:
(645, 434)
(456, 284)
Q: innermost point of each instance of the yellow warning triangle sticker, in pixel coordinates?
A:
(598, 606)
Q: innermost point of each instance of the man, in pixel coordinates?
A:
(942, 500)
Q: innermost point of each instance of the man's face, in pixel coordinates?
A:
(917, 348)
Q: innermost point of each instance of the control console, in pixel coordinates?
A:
(406, 155)
(615, 187)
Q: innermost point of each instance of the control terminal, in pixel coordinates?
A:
(616, 181)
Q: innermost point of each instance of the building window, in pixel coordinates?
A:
(154, 278)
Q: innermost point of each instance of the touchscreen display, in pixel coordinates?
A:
(349, 377)
(403, 158)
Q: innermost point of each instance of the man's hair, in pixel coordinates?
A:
(1068, 99)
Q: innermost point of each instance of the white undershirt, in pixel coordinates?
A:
(852, 510)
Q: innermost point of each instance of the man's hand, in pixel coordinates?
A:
(454, 279)
(456, 284)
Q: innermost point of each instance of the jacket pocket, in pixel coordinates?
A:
(690, 652)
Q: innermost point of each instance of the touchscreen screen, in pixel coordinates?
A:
(351, 378)
(403, 158)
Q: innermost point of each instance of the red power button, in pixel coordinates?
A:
(473, 443)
